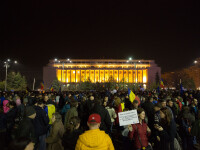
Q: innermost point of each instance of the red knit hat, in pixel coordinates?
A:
(94, 118)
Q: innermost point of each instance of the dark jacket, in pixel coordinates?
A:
(2, 122)
(26, 129)
(105, 117)
(167, 136)
(11, 116)
(72, 112)
(41, 121)
(69, 140)
(54, 140)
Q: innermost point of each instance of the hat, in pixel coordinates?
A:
(30, 111)
(94, 118)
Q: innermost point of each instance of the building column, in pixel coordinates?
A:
(104, 76)
(142, 76)
(80, 76)
(94, 76)
(128, 76)
(118, 76)
(70, 76)
(75, 75)
(65, 76)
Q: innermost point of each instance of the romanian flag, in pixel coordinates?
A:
(161, 84)
(131, 95)
(42, 86)
(51, 88)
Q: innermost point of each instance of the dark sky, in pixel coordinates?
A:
(34, 31)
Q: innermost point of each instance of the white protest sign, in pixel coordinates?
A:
(128, 117)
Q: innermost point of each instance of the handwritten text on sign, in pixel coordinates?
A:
(128, 117)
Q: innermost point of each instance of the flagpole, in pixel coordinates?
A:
(33, 84)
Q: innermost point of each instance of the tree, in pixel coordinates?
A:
(16, 82)
(2, 86)
(56, 85)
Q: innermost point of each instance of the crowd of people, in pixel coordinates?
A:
(89, 120)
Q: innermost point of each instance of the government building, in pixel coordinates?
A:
(75, 71)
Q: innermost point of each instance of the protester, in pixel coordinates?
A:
(140, 131)
(71, 134)
(54, 140)
(94, 138)
(167, 130)
(6, 106)
(112, 113)
(41, 122)
(72, 112)
(105, 117)
(26, 128)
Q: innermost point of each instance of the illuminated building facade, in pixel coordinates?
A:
(100, 70)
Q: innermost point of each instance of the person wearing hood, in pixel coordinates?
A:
(94, 138)
(6, 106)
(26, 127)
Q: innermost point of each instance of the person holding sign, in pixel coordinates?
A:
(140, 132)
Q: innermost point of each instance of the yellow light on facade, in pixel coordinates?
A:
(144, 79)
(73, 71)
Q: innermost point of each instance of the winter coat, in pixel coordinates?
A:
(11, 116)
(5, 108)
(41, 121)
(69, 140)
(2, 122)
(105, 117)
(54, 139)
(139, 130)
(26, 129)
(72, 112)
(94, 140)
(167, 136)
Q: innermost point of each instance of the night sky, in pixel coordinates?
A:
(34, 31)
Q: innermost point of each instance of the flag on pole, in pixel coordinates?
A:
(42, 86)
(51, 88)
(161, 84)
(131, 95)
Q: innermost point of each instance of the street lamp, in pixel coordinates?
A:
(195, 62)
(6, 64)
(130, 59)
